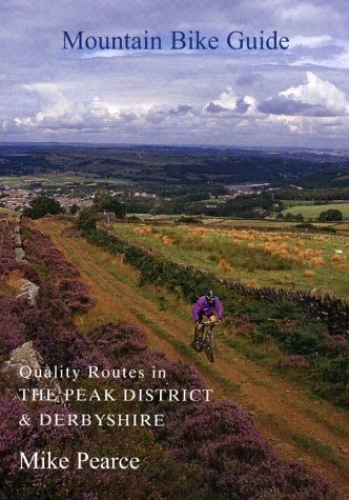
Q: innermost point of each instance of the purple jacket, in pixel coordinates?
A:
(202, 308)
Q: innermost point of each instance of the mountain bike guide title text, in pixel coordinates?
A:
(192, 40)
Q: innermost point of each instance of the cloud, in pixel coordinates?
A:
(165, 95)
(315, 110)
(311, 41)
(315, 98)
(181, 110)
(229, 102)
(291, 107)
(53, 104)
(247, 79)
(312, 17)
(213, 108)
(334, 56)
(56, 112)
(318, 92)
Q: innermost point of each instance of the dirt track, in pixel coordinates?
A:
(309, 431)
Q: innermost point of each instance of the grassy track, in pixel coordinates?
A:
(312, 432)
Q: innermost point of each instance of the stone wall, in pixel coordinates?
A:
(318, 304)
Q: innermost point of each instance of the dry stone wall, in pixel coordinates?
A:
(318, 304)
(25, 356)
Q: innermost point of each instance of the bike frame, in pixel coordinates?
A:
(208, 342)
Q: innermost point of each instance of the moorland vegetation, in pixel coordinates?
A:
(205, 450)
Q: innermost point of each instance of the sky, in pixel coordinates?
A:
(180, 72)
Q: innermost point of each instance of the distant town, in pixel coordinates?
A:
(154, 180)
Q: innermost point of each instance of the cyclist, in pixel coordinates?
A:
(207, 305)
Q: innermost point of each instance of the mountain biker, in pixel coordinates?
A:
(207, 305)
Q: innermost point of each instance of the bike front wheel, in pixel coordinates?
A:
(210, 348)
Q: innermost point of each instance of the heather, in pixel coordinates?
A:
(13, 330)
(220, 439)
(207, 449)
(73, 483)
(213, 445)
(59, 277)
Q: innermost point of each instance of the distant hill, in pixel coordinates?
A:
(182, 165)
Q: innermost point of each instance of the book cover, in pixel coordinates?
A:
(102, 393)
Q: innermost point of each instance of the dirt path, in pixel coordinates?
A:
(314, 433)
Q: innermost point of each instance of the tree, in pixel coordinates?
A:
(330, 215)
(87, 219)
(105, 202)
(74, 209)
(41, 206)
(293, 217)
(298, 217)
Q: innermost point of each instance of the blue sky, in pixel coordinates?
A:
(293, 97)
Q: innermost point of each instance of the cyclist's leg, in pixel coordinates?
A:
(198, 330)
(198, 334)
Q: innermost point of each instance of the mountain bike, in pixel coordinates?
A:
(207, 342)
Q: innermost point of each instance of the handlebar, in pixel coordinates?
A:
(209, 322)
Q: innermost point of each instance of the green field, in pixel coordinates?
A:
(313, 211)
(7, 211)
(59, 179)
(260, 258)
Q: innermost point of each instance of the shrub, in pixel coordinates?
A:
(41, 206)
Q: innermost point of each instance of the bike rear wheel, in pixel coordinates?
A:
(210, 347)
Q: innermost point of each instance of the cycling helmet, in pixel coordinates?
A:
(209, 296)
